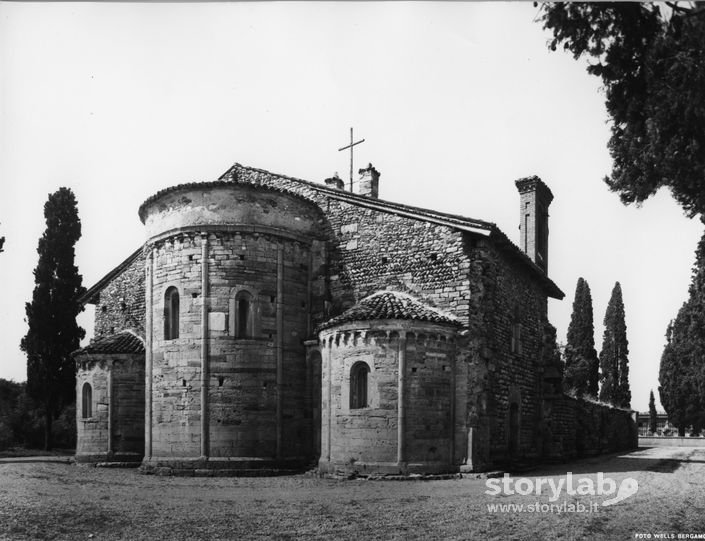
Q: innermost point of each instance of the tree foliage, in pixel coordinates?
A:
(682, 370)
(614, 356)
(51, 315)
(21, 421)
(651, 60)
(652, 413)
(581, 364)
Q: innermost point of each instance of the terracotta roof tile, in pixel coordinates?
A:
(122, 342)
(390, 305)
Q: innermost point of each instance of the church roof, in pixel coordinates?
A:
(308, 191)
(122, 342)
(91, 295)
(442, 218)
(456, 221)
(390, 305)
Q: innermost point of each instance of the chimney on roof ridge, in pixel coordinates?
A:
(535, 198)
(335, 182)
(369, 182)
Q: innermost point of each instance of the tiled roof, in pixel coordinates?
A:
(450, 220)
(122, 342)
(390, 305)
(462, 223)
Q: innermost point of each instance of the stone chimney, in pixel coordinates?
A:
(535, 198)
(335, 182)
(369, 182)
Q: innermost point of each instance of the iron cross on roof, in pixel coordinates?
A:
(350, 146)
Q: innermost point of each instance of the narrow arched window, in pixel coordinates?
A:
(516, 338)
(87, 401)
(171, 313)
(243, 315)
(358, 385)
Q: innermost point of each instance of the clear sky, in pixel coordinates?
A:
(455, 101)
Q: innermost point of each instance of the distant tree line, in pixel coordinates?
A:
(22, 420)
(585, 371)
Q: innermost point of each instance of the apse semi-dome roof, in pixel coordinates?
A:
(391, 305)
(122, 342)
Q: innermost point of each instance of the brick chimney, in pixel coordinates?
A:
(369, 182)
(535, 198)
(335, 182)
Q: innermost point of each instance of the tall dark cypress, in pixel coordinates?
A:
(51, 316)
(682, 370)
(581, 364)
(614, 357)
(652, 413)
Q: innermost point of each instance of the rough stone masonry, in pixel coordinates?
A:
(284, 323)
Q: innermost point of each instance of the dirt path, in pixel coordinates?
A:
(60, 501)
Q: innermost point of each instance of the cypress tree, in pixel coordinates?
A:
(682, 370)
(51, 315)
(614, 360)
(674, 380)
(652, 413)
(581, 364)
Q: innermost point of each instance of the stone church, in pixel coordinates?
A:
(274, 324)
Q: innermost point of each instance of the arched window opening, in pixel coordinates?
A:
(243, 315)
(516, 346)
(87, 401)
(171, 313)
(358, 385)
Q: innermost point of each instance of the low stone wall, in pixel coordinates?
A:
(670, 441)
(580, 428)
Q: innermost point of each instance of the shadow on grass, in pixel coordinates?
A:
(635, 461)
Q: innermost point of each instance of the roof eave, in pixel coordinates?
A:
(90, 296)
(503, 242)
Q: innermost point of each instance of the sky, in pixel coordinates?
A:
(455, 102)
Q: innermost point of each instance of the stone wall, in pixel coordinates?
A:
(518, 312)
(128, 408)
(430, 430)
(506, 323)
(580, 428)
(420, 399)
(256, 406)
(467, 275)
(352, 251)
(92, 431)
(115, 430)
(121, 302)
(242, 372)
(367, 437)
(371, 250)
